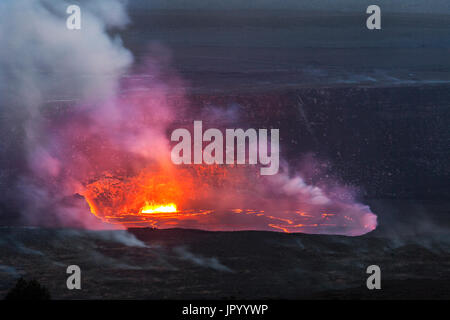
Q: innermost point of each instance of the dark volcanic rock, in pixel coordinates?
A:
(194, 264)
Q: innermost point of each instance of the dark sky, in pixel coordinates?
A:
(416, 6)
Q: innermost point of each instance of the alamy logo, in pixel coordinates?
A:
(73, 22)
(374, 20)
(74, 280)
(374, 281)
(235, 147)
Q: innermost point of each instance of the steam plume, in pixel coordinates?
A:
(113, 142)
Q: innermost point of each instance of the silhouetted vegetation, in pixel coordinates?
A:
(28, 290)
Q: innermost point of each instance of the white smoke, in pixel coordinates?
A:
(41, 60)
(41, 57)
(212, 263)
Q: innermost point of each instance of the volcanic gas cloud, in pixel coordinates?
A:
(105, 160)
(116, 155)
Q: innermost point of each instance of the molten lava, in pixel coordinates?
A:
(152, 208)
(213, 198)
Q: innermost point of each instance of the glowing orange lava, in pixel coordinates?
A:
(153, 208)
(198, 197)
(153, 196)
